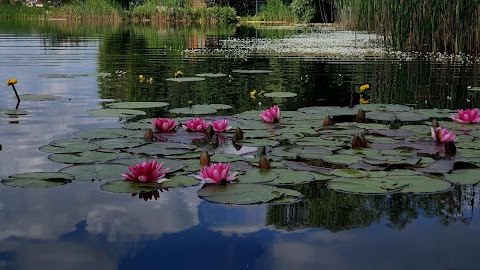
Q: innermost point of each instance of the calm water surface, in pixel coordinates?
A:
(78, 226)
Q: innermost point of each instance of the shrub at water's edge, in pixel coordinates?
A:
(275, 10)
(90, 10)
(20, 12)
(153, 12)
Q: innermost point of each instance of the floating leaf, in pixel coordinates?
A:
(103, 171)
(107, 133)
(258, 142)
(439, 166)
(115, 112)
(464, 176)
(162, 148)
(186, 79)
(384, 160)
(68, 146)
(195, 110)
(13, 112)
(383, 107)
(251, 71)
(290, 177)
(341, 159)
(137, 105)
(137, 125)
(372, 186)
(290, 196)
(124, 186)
(350, 173)
(411, 116)
(330, 110)
(35, 97)
(281, 94)
(38, 179)
(381, 116)
(120, 143)
(211, 75)
(84, 157)
(179, 181)
(419, 184)
(226, 158)
(216, 106)
(257, 176)
(240, 193)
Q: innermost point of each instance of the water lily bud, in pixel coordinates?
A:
(435, 123)
(238, 135)
(204, 158)
(190, 103)
(438, 135)
(261, 151)
(327, 121)
(450, 148)
(210, 131)
(11, 81)
(356, 142)
(148, 135)
(237, 146)
(360, 114)
(215, 141)
(363, 140)
(264, 164)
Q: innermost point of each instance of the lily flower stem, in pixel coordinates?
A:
(15, 90)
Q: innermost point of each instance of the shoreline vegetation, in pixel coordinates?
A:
(425, 26)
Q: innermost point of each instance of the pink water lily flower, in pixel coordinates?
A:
(220, 125)
(216, 173)
(145, 172)
(467, 116)
(271, 115)
(196, 124)
(442, 135)
(164, 124)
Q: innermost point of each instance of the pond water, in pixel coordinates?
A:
(80, 226)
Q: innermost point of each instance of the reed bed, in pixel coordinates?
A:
(103, 10)
(276, 11)
(450, 26)
(19, 12)
(152, 11)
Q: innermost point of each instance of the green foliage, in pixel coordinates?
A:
(90, 9)
(304, 9)
(275, 10)
(12, 12)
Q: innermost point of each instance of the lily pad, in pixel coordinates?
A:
(162, 148)
(251, 71)
(124, 186)
(419, 184)
(116, 112)
(383, 107)
(84, 157)
(107, 133)
(291, 177)
(290, 196)
(179, 181)
(281, 94)
(464, 176)
(103, 171)
(194, 110)
(372, 186)
(341, 159)
(211, 75)
(38, 179)
(137, 125)
(68, 146)
(257, 176)
(240, 193)
(330, 110)
(120, 143)
(186, 79)
(35, 97)
(137, 105)
(13, 112)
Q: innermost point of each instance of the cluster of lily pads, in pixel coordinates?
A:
(252, 157)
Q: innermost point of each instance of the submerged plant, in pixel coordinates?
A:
(271, 115)
(216, 173)
(195, 124)
(442, 135)
(164, 124)
(220, 125)
(146, 172)
(467, 116)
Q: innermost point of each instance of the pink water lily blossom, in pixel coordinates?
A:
(195, 124)
(467, 116)
(271, 115)
(164, 124)
(146, 171)
(216, 173)
(220, 125)
(442, 135)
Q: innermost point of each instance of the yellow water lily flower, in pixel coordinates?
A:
(364, 87)
(364, 101)
(141, 78)
(11, 81)
(150, 81)
(253, 94)
(261, 93)
(190, 103)
(178, 74)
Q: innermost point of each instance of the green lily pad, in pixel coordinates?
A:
(226, 158)
(116, 112)
(194, 110)
(330, 110)
(179, 181)
(103, 171)
(436, 113)
(392, 160)
(120, 143)
(341, 159)
(38, 179)
(291, 177)
(211, 75)
(290, 196)
(35, 97)
(68, 146)
(383, 107)
(137, 125)
(258, 142)
(137, 105)
(162, 148)
(257, 176)
(84, 157)
(251, 71)
(186, 79)
(464, 176)
(124, 186)
(419, 184)
(381, 116)
(216, 106)
(350, 173)
(107, 133)
(13, 112)
(317, 141)
(371, 186)
(281, 94)
(411, 116)
(240, 193)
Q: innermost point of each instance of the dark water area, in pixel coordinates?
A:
(79, 226)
